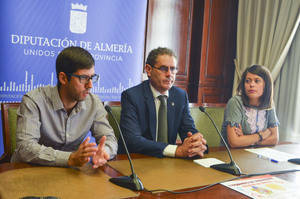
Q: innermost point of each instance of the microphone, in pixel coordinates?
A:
(294, 160)
(130, 182)
(231, 167)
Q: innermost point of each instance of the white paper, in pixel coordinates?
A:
(207, 162)
(272, 154)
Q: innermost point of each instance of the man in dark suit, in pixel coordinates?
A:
(150, 126)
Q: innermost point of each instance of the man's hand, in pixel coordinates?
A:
(193, 145)
(101, 157)
(83, 154)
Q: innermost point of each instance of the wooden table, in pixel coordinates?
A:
(217, 191)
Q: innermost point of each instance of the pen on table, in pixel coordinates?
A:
(275, 161)
(263, 157)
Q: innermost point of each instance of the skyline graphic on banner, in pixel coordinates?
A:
(29, 84)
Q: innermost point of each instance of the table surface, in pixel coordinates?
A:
(216, 191)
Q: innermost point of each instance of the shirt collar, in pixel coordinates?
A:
(58, 104)
(55, 98)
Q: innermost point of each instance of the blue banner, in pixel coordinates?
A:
(33, 32)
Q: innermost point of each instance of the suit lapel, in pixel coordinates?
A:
(171, 114)
(150, 106)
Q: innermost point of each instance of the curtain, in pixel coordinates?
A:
(287, 93)
(265, 31)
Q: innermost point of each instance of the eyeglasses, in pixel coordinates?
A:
(165, 69)
(85, 79)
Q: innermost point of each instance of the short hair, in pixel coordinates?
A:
(152, 56)
(266, 100)
(72, 59)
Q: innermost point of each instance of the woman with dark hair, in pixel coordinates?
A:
(250, 117)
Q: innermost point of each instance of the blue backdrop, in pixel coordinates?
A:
(33, 32)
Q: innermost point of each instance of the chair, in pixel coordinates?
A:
(204, 125)
(116, 111)
(9, 123)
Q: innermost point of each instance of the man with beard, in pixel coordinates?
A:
(155, 111)
(52, 122)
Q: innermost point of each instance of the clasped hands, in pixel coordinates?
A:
(193, 145)
(87, 150)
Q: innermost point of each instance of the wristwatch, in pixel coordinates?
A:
(260, 137)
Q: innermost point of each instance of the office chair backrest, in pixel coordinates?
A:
(9, 124)
(116, 111)
(204, 125)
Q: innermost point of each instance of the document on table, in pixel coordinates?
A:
(207, 162)
(272, 154)
(263, 187)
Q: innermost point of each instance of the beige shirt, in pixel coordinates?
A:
(47, 135)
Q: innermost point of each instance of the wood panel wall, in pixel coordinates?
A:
(203, 35)
(218, 51)
(169, 25)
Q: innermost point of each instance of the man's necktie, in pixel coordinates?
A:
(162, 120)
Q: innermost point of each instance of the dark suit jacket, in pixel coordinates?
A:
(138, 119)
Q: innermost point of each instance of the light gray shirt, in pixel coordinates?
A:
(47, 135)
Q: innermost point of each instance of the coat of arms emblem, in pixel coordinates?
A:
(78, 18)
